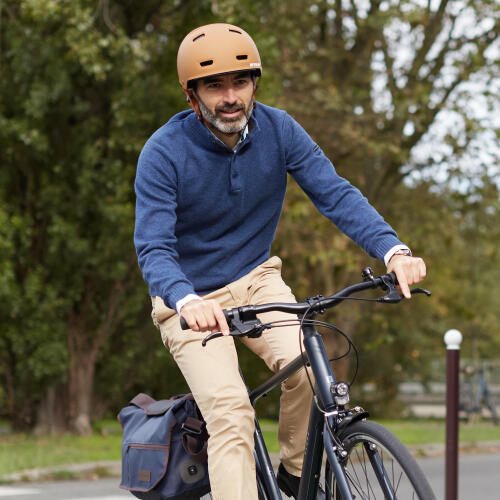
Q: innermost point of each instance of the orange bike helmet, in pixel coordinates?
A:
(215, 49)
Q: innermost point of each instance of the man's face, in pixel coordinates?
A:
(226, 101)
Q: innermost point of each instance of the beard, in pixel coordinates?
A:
(224, 124)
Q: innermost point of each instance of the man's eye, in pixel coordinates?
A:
(213, 85)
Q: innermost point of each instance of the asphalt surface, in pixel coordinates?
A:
(479, 478)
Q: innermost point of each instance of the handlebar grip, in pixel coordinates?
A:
(227, 314)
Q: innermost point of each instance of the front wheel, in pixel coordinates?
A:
(377, 466)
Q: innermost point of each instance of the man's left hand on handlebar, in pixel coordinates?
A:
(408, 270)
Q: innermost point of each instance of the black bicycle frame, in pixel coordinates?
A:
(323, 419)
(318, 436)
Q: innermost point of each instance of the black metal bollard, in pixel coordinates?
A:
(452, 339)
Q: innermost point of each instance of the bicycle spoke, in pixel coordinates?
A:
(378, 467)
(356, 486)
(365, 469)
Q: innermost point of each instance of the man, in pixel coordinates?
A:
(210, 187)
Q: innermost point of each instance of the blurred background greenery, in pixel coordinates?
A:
(402, 95)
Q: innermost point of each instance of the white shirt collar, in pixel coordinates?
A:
(241, 139)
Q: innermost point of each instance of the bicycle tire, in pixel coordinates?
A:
(494, 414)
(404, 474)
(491, 406)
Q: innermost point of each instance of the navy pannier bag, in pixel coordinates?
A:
(164, 450)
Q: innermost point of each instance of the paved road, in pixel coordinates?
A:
(479, 479)
(479, 476)
(103, 489)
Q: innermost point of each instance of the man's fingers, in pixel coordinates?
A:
(190, 320)
(403, 285)
(221, 320)
(204, 321)
(409, 270)
(205, 315)
(416, 272)
(423, 269)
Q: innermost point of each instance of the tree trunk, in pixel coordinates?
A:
(82, 352)
(52, 413)
(84, 343)
(81, 378)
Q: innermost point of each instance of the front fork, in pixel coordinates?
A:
(335, 453)
(380, 472)
(330, 396)
(319, 435)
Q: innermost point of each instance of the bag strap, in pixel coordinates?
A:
(195, 439)
(142, 401)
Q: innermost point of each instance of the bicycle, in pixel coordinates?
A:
(363, 459)
(474, 392)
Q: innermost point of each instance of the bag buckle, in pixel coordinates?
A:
(191, 430)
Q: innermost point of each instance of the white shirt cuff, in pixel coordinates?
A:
(188, 298)
(392, 251)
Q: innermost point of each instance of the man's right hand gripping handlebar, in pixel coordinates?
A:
(251, 327)
(202, 315)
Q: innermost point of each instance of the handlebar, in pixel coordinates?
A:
(244, 317)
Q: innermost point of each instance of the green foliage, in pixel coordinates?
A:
(78, 100)
(85, 83)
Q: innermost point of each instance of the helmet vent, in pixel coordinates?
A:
(242, 57)
(235, 31)
(207, 63)
(198, 37)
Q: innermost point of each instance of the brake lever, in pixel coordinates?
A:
(393, 297)
(211, 337)
(250, 329)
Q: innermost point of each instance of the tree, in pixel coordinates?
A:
(375, 83)
(77, 102)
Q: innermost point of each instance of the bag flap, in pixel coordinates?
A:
(159, 407)
(151, 407)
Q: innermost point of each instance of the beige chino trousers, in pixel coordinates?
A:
(213, 377)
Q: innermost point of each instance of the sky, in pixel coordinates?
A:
(471, 117)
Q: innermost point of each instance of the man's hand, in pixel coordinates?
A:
(205, 315)
(409, 270)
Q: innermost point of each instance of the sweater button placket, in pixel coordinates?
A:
(234, 174)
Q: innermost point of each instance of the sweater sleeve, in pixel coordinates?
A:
(333, 195)
(155, 219)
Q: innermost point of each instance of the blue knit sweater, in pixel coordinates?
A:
(206, 216)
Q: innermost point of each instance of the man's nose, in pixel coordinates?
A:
(229, 95)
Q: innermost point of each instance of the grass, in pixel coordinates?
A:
(429, 431)
(410, 432)
(25, 451)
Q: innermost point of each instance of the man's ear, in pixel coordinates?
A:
(255, 88)
(193, 101)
